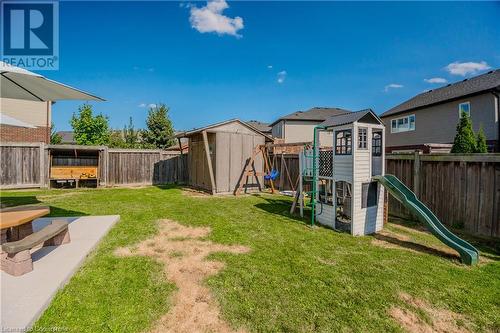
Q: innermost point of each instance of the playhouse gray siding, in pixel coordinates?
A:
(437, 123)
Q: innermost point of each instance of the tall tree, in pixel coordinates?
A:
(465, 141)
(481, 146)
(131, 135)
(116, 139)
(55, 138)
(90, 129)
(159, 130)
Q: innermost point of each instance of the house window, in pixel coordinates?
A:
(377, 144)
(464, 108)
(403, 124)
(362, 133)
(343, 142)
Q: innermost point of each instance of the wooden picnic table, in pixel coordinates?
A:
(15, 222)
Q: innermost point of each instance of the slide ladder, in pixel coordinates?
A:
(468, 253)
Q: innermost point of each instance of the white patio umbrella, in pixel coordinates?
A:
(19, 83)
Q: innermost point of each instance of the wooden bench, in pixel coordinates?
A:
(16, 256)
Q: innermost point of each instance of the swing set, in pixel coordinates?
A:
(271, 172)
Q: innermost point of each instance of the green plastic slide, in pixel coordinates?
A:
(468, 253)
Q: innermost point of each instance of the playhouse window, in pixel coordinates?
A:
(362, 133)
(377, 144)
(343, 142)
(368, 194)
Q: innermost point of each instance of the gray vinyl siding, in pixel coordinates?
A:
(437, 124)
(277, 130)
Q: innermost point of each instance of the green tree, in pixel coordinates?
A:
(465, 141)
(131, 135)
(116, 139)
(159, 132)
(90, 129)
(481, 146)
(55, 138)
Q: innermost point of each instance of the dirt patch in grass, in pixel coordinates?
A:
(440, 320)
(183, 252)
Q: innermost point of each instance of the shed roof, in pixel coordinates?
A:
(475, 85)
(313, 114)
(366, 115)
(208, 127)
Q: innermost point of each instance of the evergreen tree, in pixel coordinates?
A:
(481, 146)
(130, 135)
(465, 141)
(90, 129)
(159, 132)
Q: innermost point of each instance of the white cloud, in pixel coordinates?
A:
(211, 19)
(270, 66)
(436, 80)
(281, 76)
(144, 105)
(393, 86)
(465, 68)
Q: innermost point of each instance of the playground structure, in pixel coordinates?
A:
(346, 168)
(271, 173)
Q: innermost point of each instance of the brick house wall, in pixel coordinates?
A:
(22, 134)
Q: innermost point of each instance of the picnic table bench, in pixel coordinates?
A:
(18, 237)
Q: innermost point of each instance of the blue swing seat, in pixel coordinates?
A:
(273, 175)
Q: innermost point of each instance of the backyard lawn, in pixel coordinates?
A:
(294, 279)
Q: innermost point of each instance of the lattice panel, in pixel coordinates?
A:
(326, 163)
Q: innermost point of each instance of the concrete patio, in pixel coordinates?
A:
(24, 298)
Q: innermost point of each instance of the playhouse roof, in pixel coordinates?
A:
(367, 116)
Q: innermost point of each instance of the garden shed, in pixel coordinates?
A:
(218, 154)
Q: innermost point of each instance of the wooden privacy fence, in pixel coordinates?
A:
(463, 191)
(26, 165)
(22, 165)
(145, 167)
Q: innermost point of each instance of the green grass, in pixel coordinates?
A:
(295, 279)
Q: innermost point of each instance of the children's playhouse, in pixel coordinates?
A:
(346, 168)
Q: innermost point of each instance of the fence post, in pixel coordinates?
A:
(416, 173)
(105, 168)
(43, 170)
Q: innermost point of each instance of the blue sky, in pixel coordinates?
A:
(261, 60)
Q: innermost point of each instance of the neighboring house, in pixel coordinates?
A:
(299, 126)
(67, 137)
(430, 119)
(24, 121)
(260, 126)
